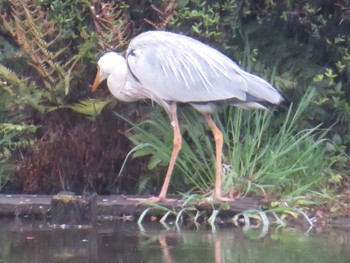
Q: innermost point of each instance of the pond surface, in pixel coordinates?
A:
(25, 241)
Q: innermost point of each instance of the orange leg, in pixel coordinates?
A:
(171, 111)
(218, 147)
(176, 149)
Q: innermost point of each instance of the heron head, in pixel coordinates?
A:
(106, 65)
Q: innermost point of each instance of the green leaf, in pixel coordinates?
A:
(89, 107)
(153, 162)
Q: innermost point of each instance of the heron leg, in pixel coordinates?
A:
(172, 112)
(218, 147)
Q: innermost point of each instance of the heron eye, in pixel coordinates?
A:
(132, 52)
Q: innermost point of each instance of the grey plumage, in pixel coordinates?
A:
(170, 68)
(181, 69)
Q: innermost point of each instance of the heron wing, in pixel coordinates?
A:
(178, 68)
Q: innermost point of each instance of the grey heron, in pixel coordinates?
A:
(170, 68)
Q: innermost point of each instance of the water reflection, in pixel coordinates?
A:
(24, 241)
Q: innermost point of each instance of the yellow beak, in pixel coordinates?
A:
(97, 81)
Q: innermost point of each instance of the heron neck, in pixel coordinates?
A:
(116, 81)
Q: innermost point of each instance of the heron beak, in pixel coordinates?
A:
(97, 81)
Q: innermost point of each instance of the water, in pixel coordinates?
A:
(25, 241)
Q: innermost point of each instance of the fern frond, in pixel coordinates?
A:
(142, 183)
(10, 134)
(165, 16)
(9, 76)
(89, 107)
(286, 81)
(14, 85)
(112, 24)
(37, 35)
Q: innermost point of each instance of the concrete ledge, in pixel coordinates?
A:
(114, 207)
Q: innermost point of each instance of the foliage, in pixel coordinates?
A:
(39, 38)
(113, 25)
(43, 37)
(164, 16)
(320, 31)
(310, 44)
(212, 21)
(21, 92)
(12, 136)
(47, 55)
(290, 160)
(69, 17)
(89, 107)
(259, 158)
(73, 154)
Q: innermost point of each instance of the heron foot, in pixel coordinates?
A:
(225, 199)
(158, 199)
(154, 199)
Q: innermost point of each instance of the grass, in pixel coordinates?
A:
(261, 155)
